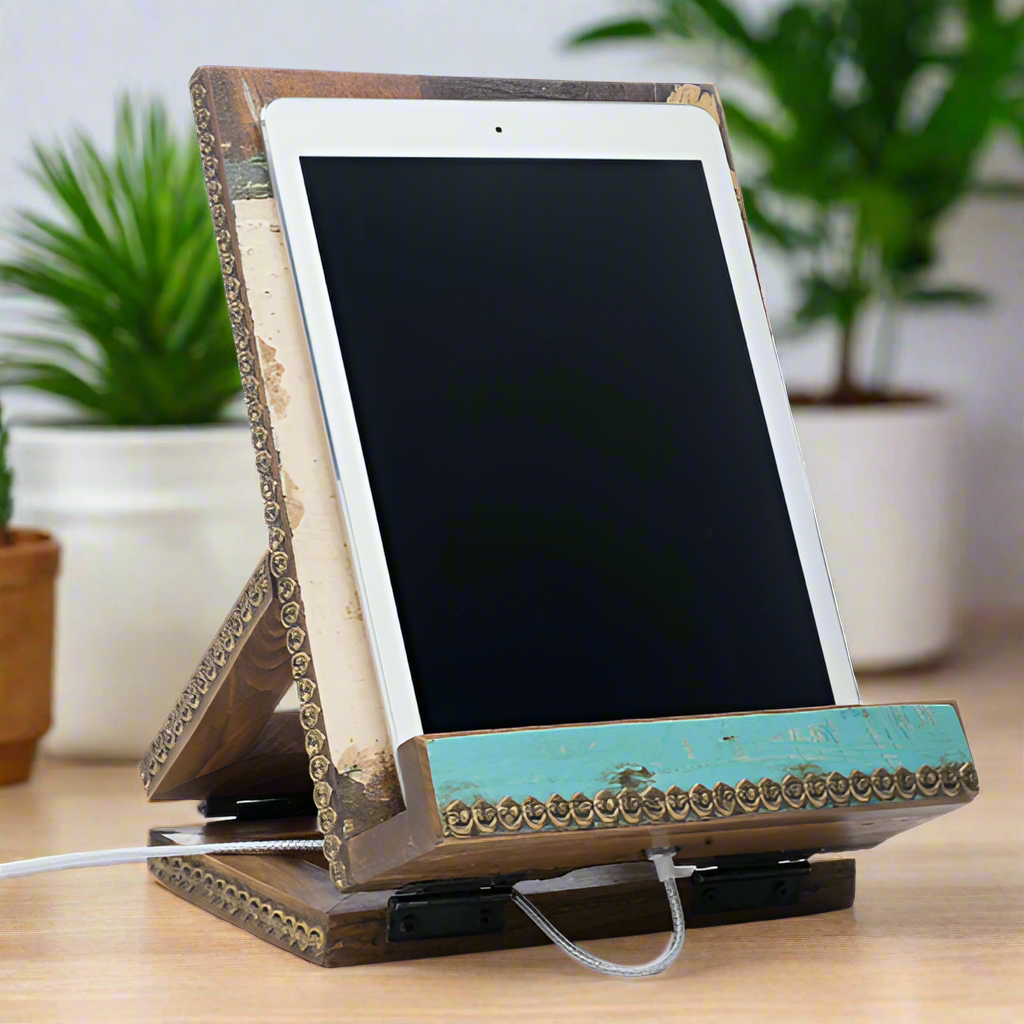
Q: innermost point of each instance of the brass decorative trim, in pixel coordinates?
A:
(205, 675)
(248, 906)
(650, 806)
(291, 611)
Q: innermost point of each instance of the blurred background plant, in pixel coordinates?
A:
(135, 329)
(865, 130)
(141, 472)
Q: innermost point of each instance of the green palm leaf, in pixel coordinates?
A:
(853, 176)
(136, 330)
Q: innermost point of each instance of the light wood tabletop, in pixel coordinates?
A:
(935, 933)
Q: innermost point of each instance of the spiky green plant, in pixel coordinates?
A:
(6, 484)
(135, 329)
(875, 114)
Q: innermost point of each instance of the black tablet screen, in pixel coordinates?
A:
(579, 503)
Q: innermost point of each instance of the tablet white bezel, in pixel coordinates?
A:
(295, 127)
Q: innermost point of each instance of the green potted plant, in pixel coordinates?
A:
(862, 132)
(28, 566)
(146, 476)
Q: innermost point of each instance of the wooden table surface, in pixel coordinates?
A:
(935, 934)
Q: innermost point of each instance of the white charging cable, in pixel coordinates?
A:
(668, 872)
(137, 854)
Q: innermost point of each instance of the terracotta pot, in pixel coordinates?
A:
(28, 568)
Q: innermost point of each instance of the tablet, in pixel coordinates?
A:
(563, 446)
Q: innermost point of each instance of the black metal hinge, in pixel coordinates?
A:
(750, 887)
(437, 911)
(439, 915)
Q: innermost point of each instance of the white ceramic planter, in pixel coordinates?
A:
(159, 530)
(881, 478)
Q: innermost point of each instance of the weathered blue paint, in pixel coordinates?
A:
(685, 752)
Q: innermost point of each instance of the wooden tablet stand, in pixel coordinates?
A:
(565, 812)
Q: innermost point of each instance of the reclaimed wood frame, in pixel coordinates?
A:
(547, 800)
(829, 779)
(309, 565)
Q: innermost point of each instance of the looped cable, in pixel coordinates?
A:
(668, 872)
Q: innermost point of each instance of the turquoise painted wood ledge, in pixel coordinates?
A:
(623, 773)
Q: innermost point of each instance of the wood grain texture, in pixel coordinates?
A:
(332, 662)
(935, 935)
(832, 779)
(293, 904)
(275, 763)
(238, 95)
(821, 751)
(394, 854)
(229, 699)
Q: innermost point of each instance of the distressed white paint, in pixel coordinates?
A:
(352, 710)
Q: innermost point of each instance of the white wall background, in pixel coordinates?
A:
(63, 61)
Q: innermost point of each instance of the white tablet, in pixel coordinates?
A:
(562, 441)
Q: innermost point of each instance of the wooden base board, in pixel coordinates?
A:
(292, 903)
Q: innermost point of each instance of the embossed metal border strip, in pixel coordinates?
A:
(188, 875)
(628, 807)
(286, 586)
(205, 675)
